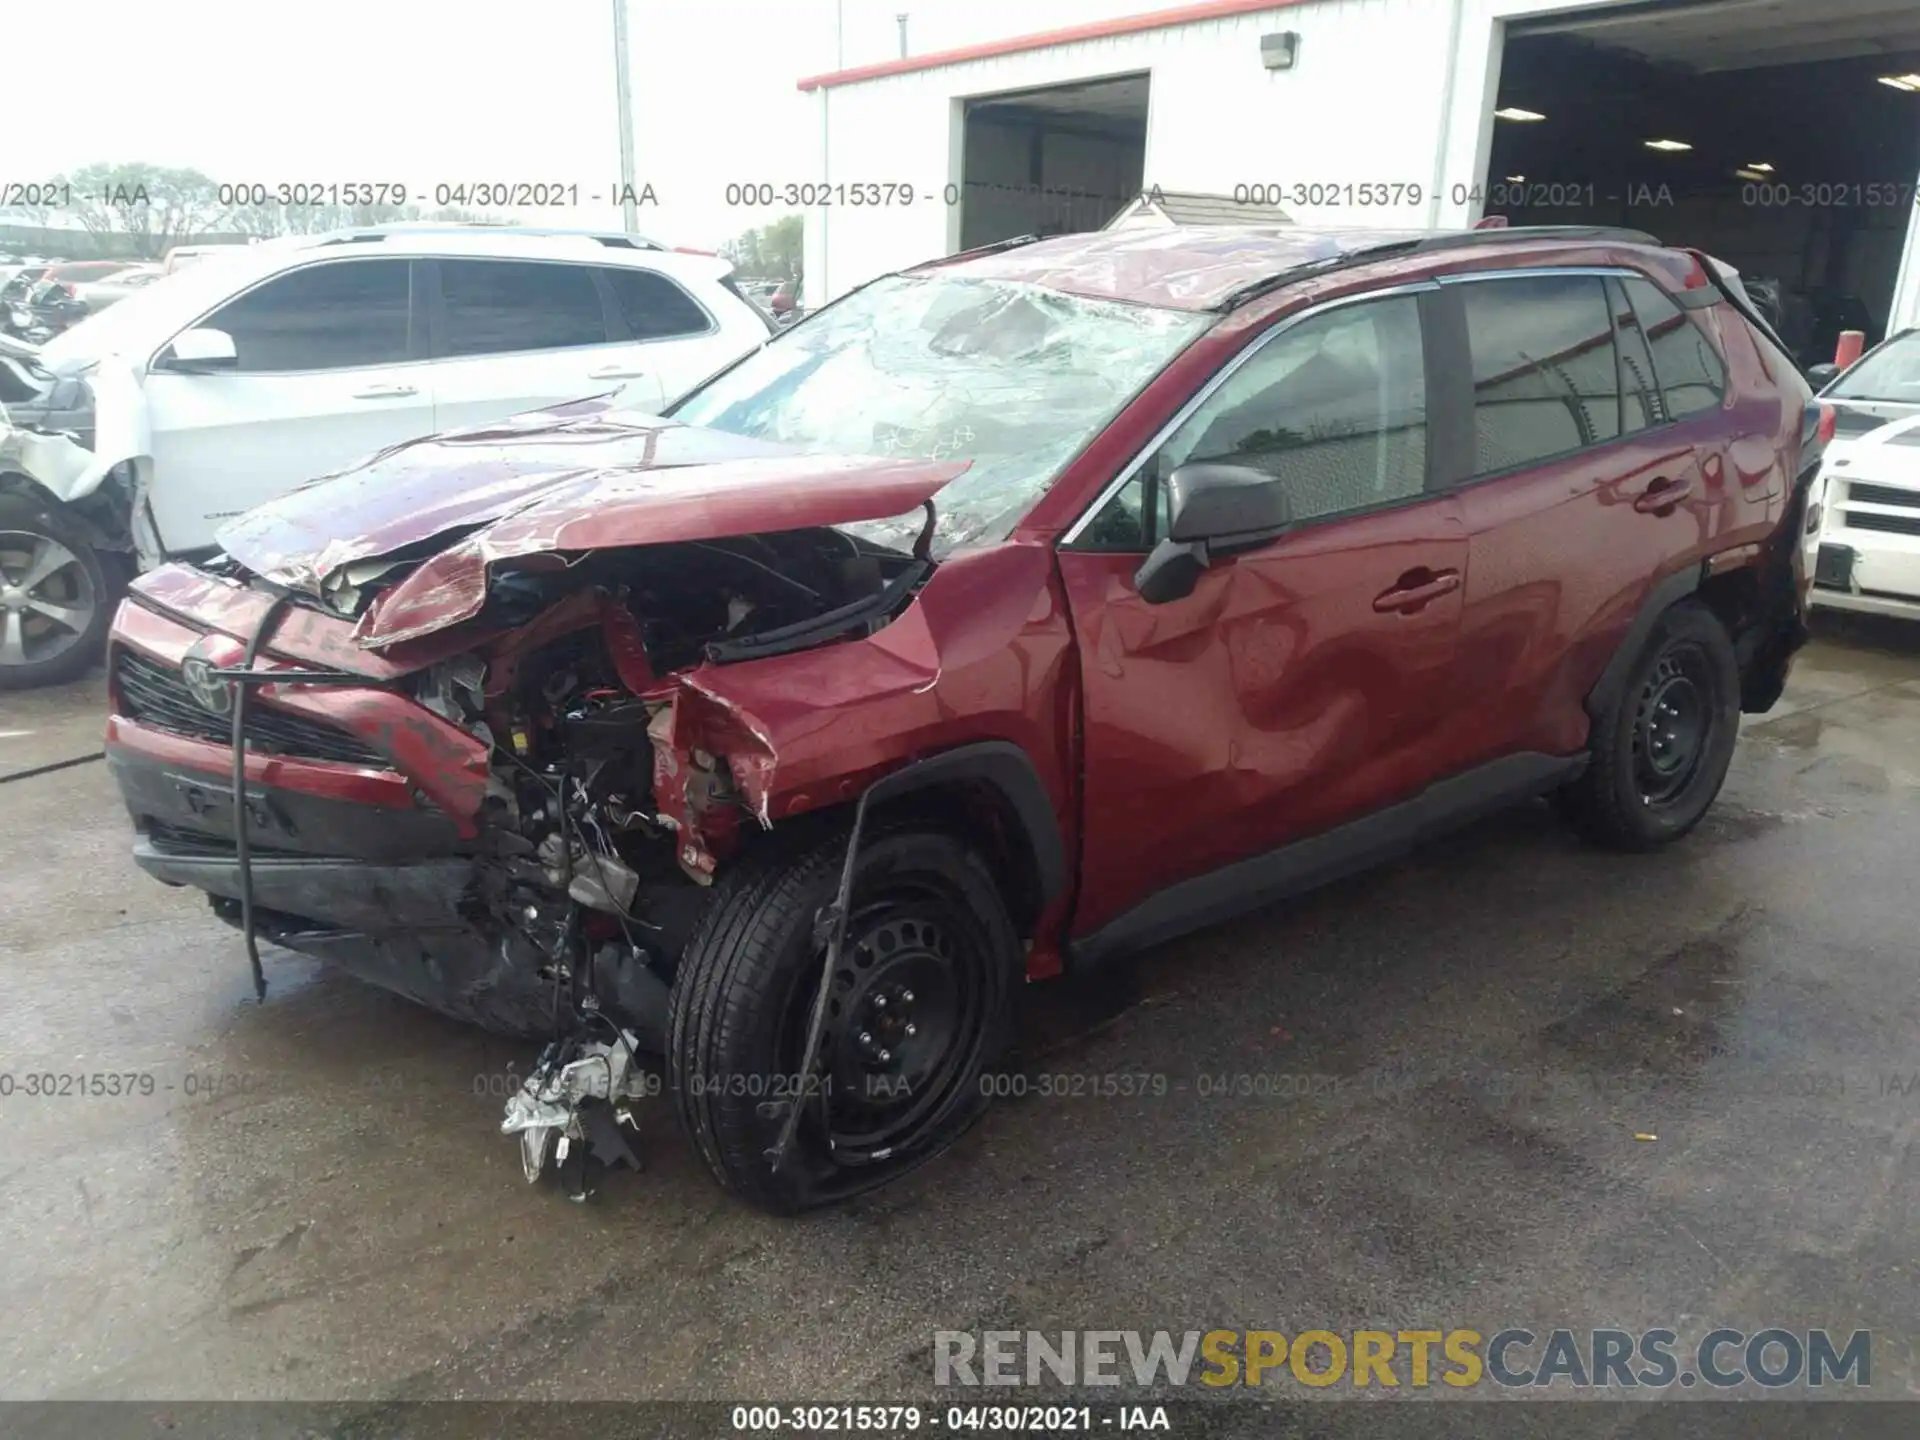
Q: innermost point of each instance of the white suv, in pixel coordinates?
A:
(1869, 486)
(134, 435)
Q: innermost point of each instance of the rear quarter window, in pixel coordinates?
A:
(1691, 374)
(654, 307)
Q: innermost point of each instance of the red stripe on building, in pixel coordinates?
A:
(1072, 34)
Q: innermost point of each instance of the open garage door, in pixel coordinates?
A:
(1051, 161)
(1781, 135)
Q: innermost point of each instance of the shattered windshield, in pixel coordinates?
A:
(1013, 377)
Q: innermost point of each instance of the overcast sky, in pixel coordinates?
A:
(423, 92)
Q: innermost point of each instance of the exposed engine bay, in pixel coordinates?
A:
(600, 827)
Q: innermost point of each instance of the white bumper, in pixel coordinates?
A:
(1869, 546)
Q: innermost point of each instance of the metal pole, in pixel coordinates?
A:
(623, 89)
(901, 21)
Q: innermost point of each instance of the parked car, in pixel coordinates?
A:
(179, 257)
(1868, 493)
(21, 282)
(232, 382)
(1009, 615)
(111, 289)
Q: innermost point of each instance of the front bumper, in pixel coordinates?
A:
(371, 865)
(404, 914)
(1868, 573)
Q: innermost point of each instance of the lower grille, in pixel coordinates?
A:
(193, 845)
(1868, 494)
(1887, 524)
(155, 695)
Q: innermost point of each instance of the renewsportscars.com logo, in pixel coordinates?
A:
(1412, 1359)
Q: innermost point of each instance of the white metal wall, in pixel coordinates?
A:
(1362, 105)
(1385, 91)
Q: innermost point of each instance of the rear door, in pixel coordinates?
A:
(668, 333)
(1300, 684)
(329, 370)
(1588, 483)
(513, 335)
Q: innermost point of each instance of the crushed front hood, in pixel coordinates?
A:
(577, 477)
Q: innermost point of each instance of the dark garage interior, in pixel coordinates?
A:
(1803, 135)
(1051, 161)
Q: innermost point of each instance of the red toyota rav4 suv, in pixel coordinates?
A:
(1011, 613)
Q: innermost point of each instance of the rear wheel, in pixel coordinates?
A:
(918, 1010)
(55, 598)
(1660, 755)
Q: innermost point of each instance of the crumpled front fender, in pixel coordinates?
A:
(66, 469)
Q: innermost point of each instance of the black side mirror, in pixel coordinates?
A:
(1819, 376)
(1217, 508)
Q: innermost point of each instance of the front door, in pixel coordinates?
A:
(328, 372)
(1301, 684)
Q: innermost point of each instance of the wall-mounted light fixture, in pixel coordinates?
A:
(1280, 50)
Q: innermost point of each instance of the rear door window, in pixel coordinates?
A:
(1692, 377)
(498, 307)
(653, 307)
(1545, 379)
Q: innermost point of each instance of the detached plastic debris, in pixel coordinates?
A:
(571, 1112)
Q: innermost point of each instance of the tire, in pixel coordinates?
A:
(36, 648)
(926, 912)
(1659, 756)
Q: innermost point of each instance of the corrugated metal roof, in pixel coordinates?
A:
(1177, 207)
(1189, 209)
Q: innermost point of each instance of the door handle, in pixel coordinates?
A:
(385, 392)
(1662, 496)
(1416, 589)
(614, 372)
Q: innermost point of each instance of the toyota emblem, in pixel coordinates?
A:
(211, 693)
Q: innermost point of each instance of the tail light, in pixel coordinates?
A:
(1829, 422)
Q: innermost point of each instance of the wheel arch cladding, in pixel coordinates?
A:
(991, 793)
(19, 485)
(1663, 597)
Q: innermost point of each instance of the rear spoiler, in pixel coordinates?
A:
(1727, 287)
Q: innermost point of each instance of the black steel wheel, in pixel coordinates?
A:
(1659, 755)
(1672, 723)
(918, 1009)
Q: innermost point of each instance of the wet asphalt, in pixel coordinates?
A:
(1411, 1100)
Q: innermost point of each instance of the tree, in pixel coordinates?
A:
(768, 252)
(152, 207)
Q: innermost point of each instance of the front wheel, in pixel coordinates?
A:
(917, 1011)
(55, 598)
(1659, 756)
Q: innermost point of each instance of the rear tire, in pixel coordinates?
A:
(921, 1009)
(1660, 755)
(56, 599)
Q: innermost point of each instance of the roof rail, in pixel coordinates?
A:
(992, 248)
(1441, 240)
(361, 234)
